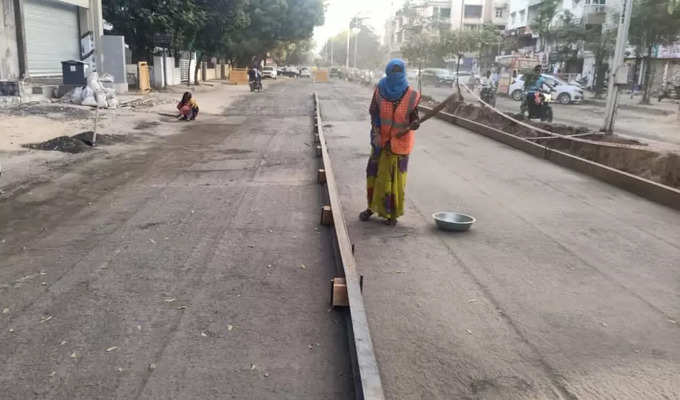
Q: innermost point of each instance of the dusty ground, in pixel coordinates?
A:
(565, 288)
(186, 265)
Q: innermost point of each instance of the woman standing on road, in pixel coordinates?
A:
(394, 117)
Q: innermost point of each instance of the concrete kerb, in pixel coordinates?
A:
(368, 384)
(646, 188)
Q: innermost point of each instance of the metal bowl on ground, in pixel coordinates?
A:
(453, 221)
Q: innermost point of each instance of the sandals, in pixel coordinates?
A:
(365, 215)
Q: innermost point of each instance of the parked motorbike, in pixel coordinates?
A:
(669, 91)
(544, 110)
(488, 94)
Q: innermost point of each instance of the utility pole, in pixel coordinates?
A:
(617, 65)
(332, 45)
(356, 43)
(349, 32)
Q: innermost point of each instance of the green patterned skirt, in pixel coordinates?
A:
(386, 183)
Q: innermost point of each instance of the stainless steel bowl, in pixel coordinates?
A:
(452, 221)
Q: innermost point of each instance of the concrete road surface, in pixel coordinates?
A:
(565, 288)
(656, 123)
(191, 269)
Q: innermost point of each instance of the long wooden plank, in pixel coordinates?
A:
(371, 383)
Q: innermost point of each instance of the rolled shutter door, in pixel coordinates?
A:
(52, 36)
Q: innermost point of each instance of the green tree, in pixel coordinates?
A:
(138, 20)
(653, 23)
(370, 54)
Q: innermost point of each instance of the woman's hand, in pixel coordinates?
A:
(414, 125)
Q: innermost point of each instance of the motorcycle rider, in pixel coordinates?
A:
(487, 87)
(533, 84)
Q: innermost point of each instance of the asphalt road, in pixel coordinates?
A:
(190, 268)
(565, 288)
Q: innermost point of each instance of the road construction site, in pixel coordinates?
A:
(190, 262)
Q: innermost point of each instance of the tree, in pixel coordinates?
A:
(370, 55)
(543, 22)
(653, 23)
(239, 30)
(138, 20)
(601, 43)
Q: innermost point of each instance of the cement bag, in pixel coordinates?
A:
(100, 96)
(89, 101)
(113, 103)
(87, 92)
(110, 93)
(77, 95)
(93, 82)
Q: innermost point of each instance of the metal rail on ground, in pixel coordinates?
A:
(366, 366)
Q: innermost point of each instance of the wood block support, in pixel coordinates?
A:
(326, 216)
(318, 151)
(316, 138)
(321, 176)
(339, 293)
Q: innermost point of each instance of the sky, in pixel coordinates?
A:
(340, 12)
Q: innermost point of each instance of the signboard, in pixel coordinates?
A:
(162, 39)
(669, 51)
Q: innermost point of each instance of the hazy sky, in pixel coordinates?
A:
(340, 12)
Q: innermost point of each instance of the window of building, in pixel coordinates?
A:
(499, 13)
(522, 16)
(473, 12)
(445, 13)
(513, 18)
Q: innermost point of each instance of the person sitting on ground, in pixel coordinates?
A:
(188, 108)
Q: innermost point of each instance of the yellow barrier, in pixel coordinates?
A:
(238, 76)
(321, 75)
(144, 78)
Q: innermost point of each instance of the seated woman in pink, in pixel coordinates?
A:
(188, 108)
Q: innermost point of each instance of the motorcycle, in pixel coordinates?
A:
(669, 91)
(255, 85)
(544, 111)
(488, 94)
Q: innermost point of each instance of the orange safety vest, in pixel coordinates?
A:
(395, 119)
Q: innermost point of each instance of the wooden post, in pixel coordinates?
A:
(339, 293)
(321, 176)
(326, 216)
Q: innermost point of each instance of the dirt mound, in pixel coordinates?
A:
(77, 143)
(633, 157)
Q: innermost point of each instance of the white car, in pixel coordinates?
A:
(305, 73)
(269, 72)
(564, 92)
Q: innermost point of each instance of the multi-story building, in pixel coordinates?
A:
(435, 16)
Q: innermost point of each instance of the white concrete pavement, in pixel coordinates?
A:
(565, 288)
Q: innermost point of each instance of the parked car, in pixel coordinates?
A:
(305, 72)
(564, 93)
(335, 73)
(269, 72)
(438, 77)
(291, 72)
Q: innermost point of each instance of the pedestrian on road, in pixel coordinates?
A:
(394, 117)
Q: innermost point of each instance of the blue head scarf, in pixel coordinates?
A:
(393, 86)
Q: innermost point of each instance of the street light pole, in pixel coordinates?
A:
(349, 32)
(356, 43)
(617, 65)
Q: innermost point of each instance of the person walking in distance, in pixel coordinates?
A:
(394, 118)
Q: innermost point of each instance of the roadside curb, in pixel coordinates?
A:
(646, 188)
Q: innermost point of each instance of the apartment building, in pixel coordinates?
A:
(435, 16)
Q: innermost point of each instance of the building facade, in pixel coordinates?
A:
(37, 35)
